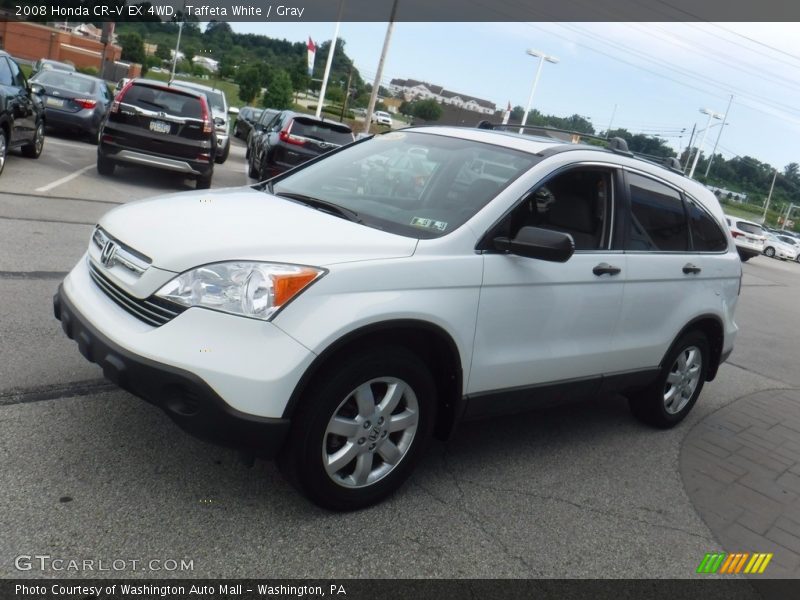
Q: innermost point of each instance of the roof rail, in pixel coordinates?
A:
(617, 145)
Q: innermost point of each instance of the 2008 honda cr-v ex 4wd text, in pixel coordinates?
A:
(339, 315)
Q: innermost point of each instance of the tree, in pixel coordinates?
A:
(279, 91)
(163, 52)
(250, 83)
(335, 94)
(427, 110)
(299, 75)
(132, 47)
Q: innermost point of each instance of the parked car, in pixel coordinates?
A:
(46, 63)
(219, 112)
(382, 118)
(153, 124)
(782, 246)
(341, 329)
(248, 116)
(21, 114)
(749, 237)
(72, 101)
(291, 139)
(258, 128)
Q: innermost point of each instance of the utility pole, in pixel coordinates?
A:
(177, 48)
(689, 148)
(769, 197)
(719, 135)
(786, 218)
(346, 93)
(374, 95)
(613, 114)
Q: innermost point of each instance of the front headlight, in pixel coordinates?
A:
(250, 289)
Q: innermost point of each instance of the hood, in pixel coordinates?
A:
(182, 231)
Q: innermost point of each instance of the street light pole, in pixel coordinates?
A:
(711, 115)
(542, 57)
(769, 197)
(177, 48)
(719, 135)
(329, 62)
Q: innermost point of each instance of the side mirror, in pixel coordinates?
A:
(35, 88)
(535, 242)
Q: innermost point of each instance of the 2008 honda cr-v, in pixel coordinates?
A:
(342, 313)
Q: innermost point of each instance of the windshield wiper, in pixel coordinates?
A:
(319, 204)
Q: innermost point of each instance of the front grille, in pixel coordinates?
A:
(153, 311)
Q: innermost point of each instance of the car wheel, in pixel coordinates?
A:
(769, 251)
(672, 395)
(360, 429)
(222, 157)
(105, 166)
(204, 181)
(34, 149)
(251, 170)
(3, 149)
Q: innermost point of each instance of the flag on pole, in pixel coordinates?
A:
(312, 52)
(507, 114)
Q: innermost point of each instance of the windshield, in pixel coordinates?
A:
(415, 184)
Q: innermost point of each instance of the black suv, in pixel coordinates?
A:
(291, 139)
(153, 124)
(21, 115)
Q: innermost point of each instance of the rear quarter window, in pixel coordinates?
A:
(706, 233)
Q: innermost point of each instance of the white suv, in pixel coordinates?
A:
(749, 237)
(339, 325)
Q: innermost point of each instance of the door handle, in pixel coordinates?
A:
(690, 268)
(606, 269)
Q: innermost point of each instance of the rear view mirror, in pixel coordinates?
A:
(534, 242)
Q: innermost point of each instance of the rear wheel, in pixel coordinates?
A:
(672, 395)
(105, 166)
(34, 149)
(204, 181)
(361, 428)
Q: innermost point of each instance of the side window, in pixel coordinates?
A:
(5, 72)
(577, 202)
(706, 234)
(17, 78)
(658, 219)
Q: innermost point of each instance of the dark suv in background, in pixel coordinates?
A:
(291, 139)
(157, 125)
(21, 115)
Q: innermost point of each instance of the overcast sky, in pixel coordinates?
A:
(659, 75)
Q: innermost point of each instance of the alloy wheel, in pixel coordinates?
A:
(683, 379)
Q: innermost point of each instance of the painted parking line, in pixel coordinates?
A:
(63, 180)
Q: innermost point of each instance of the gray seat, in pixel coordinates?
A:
(575, 215)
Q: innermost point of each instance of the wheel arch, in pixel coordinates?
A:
(433, 344)
(711, 326)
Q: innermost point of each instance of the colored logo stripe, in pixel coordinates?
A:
(730, 564)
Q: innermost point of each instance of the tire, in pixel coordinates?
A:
(672, 395)
(769, 251)
(251, 170)
(105, 166)
(3, 149)
(221, 158)
(204, 181)
(34, 149)
(354, 397)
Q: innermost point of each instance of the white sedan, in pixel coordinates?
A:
(779, 247)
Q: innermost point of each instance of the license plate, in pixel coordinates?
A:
(159, 126)
(59, 102)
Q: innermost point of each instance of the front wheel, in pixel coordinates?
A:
(361, 428)
(669, 399)
(3, 149)
(769, 251)
(221, 157)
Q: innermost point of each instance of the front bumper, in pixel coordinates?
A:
(185, 397)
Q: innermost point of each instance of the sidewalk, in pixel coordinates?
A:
(741, 469)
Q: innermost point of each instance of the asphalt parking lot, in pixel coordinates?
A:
(90, 472)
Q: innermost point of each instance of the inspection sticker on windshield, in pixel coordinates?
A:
(429, 223)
